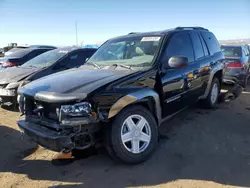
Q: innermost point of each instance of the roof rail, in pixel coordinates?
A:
(191, 28)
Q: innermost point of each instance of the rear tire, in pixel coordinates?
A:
(213, 95)
(133, 135)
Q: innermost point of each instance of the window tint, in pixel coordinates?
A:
(179, 45)
(73, 60)
(198, 50)
(211, 41)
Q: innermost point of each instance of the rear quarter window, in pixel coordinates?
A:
(211, 41)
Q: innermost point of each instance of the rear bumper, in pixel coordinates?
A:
(48, 138)
(235, 79)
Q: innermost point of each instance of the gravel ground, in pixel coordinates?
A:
(199, 148)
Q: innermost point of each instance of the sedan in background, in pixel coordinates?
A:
(237, 64)
(45, 64)
(19, 57)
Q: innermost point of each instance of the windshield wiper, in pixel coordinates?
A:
(94, 64)
(123, 66)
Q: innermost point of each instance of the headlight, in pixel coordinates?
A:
(13, 85)
(79, 109)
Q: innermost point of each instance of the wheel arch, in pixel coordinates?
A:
(217, 71)
(148, 98)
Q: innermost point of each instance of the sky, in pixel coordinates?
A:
(52, 22)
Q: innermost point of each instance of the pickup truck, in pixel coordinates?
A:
(124, 92)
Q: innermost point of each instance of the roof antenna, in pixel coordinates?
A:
(76, 33)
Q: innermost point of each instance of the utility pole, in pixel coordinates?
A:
(76, 33)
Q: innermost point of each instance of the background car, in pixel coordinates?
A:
(17, 48)
(237, 64)
(21, 56)
(47, 63)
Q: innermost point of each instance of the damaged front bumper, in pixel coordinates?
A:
(48, 138)
(57, 125)
(58, 137)
(8, 95)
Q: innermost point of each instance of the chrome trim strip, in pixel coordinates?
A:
(171, 99)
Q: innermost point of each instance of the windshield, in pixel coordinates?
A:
(231, 51)
(46, 59)
(131, 51)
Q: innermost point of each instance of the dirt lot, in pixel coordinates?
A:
(199, 148)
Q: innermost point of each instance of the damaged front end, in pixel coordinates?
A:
(59, 121)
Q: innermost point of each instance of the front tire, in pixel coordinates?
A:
(133, 135)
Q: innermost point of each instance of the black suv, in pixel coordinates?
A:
(124, 92)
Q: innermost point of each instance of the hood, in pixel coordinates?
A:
(82, 80)
(15, 74)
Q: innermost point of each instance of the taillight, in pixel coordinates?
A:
(235, 65)
(8, 64)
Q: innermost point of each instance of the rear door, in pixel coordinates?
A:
(212, 56)
(177, 82)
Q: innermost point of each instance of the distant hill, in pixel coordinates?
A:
(235, 41)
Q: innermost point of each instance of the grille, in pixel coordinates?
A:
(44, 110)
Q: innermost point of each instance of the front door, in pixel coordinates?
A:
(178, 82)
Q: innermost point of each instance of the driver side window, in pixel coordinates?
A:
(73, 60)
(179, 45)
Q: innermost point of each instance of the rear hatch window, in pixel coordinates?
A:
(231, 51)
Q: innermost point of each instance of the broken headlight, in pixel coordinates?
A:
(76, 110)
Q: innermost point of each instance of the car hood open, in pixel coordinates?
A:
(71, 82)
(15, 74)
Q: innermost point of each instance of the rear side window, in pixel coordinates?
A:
(204, 46)
(211, 41)
(179, 45)
(198, 50)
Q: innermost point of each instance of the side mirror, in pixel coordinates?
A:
(178, 62)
